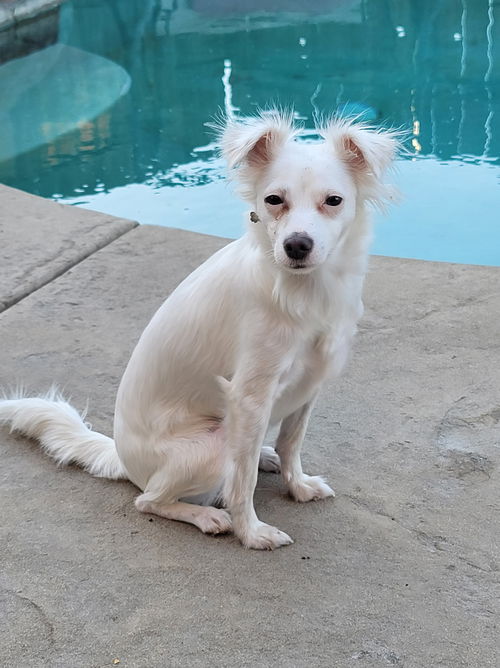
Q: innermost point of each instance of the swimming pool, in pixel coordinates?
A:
(113, 117)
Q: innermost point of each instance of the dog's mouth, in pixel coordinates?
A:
(299, 267)
(295, 266)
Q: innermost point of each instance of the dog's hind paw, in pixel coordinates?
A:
(265, 537)
(214, 520)
(269, 460)
(309, 488)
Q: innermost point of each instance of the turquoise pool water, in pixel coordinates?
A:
(113, 117)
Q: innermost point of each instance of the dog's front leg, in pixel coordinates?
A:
(249, 399)
(288, 445)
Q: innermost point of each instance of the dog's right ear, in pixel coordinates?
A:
(254, 141)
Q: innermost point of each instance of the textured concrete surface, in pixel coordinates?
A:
(40, 240)
(402, 569)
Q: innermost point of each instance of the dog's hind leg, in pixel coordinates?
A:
(207, 518)
(190, 468)
(301, 487)
(269, 460)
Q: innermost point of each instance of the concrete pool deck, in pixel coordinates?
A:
(402, 569)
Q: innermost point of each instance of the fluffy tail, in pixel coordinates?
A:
(63, 434)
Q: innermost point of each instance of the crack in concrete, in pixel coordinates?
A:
(39, 610)
(434, 543)
(456, 418)
(461, 303)
(22, 294)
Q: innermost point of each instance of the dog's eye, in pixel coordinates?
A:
(333, 200)
(274, 200)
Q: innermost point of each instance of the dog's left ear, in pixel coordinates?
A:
(367, 152)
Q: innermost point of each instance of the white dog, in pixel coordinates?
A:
(245, 342)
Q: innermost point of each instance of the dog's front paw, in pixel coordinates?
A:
(265, 537)
(269, 460)
(309, 488)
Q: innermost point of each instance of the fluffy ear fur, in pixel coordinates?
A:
(255, 140)
(250, 143)
(363, 148)
(368, 153)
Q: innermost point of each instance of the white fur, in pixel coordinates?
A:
(244, 343)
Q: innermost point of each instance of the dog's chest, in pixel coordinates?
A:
(304, 373)
(318, 356)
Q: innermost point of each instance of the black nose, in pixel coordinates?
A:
(297, 246)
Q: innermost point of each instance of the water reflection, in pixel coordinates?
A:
(432, 67)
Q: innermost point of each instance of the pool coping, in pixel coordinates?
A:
(16, 11)
(40, 240)
(26, 26)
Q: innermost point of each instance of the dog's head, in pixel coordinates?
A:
(306, 196)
